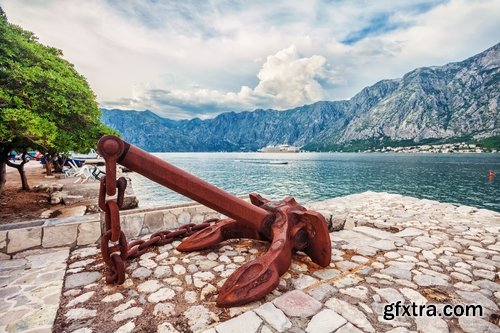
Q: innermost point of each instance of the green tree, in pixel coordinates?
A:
(45, 104)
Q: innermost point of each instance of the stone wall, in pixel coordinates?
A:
(85, 230)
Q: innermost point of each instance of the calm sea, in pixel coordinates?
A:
(309, 177)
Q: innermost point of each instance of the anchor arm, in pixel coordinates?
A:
(258, 277)
(214, 234)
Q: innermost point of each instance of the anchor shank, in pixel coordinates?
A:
(185, 183)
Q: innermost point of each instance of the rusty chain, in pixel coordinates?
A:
(115, 249)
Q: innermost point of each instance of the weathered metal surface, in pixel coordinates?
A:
(286, 224)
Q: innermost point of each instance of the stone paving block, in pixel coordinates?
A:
(390, 295)
(360, 292)
(132, 225)
(366, 250)
(475, 324)
(397, 272)
(460, 277)
(414, 296)
(374, 232)
(346, 265)
(481, 273)
(149, 286)
(154, 221)
(184, 218)
(88, 233)
(22, 239)
(170, 221)
(356, 238)
(326, 321)
(40, 318)
(274, 317)
(296, 303)
(351, 313)
(477, 298)
(3, 239)
(80, 299)
(384, 244)
(349, 328)
(14, 264)
(346, 281)
(59, 235)
(322, 292)
(50, 259)
(128, 314)
(199, 317)
(326, 274)
(81, 279)
(431, 325)
(424, 280)
(248, 322)
(127, 328)
(198, 218)
(304, 281)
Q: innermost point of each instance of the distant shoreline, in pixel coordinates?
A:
(320, 152)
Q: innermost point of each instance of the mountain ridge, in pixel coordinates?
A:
(439, 103)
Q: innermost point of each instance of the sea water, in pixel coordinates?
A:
(310, 177)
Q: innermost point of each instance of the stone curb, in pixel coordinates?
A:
(85, 230)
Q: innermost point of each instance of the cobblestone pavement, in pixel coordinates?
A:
(392, 248)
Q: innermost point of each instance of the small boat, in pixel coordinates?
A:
(263, 162)
(279, 149)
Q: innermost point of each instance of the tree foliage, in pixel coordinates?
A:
(44, 103)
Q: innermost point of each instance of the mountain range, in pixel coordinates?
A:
(455, 102)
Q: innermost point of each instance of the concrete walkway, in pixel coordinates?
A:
(392, 248)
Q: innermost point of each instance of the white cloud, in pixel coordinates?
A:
(286, 80)
(191, 58)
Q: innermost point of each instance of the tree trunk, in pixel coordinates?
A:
(24, 180)
(20, 168)
(4, 156)
(3, 174)
(48, 164)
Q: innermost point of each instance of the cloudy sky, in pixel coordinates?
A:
(185, 59)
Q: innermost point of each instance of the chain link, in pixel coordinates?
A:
(115, 249)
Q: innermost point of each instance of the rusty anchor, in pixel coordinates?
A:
(286, 224)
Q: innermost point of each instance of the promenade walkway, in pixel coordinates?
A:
(391, 249)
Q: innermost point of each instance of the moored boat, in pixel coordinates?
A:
(280, 149)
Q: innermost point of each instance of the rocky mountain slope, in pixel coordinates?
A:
(458, 101)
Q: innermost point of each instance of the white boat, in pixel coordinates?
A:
(262, 162)
(279, 149)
